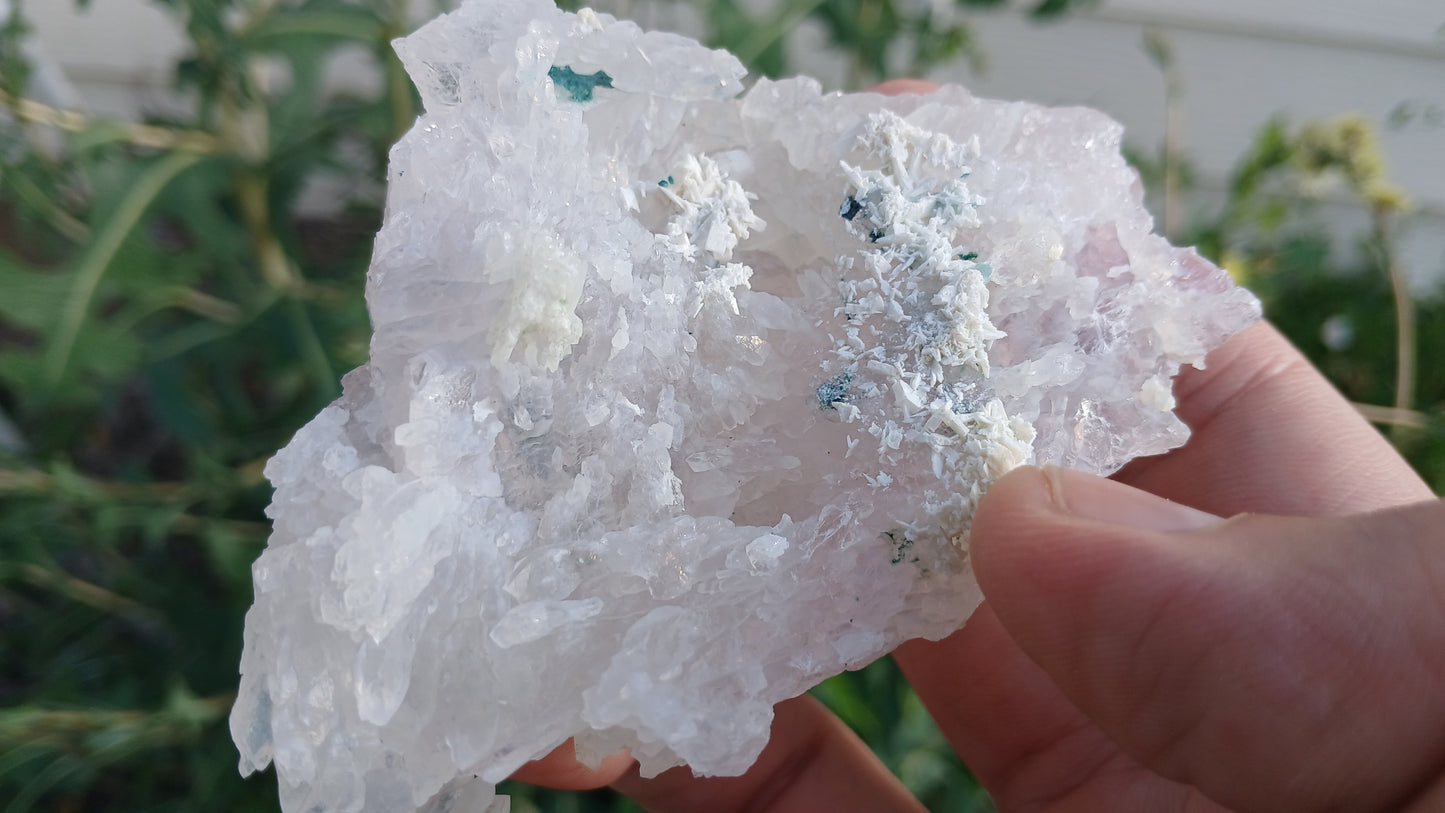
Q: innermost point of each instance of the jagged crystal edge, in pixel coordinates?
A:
(680, 401)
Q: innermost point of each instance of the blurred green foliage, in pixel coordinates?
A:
(168, 321)
(169, 317)
(1348, 304)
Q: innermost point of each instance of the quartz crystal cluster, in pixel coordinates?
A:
(680, 400)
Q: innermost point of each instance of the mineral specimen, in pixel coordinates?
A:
(680, 401)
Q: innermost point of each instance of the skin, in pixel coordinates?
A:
(1137, 652)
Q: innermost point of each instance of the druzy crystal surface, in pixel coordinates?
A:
(680, 400)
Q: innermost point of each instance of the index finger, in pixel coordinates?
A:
(1271, 435)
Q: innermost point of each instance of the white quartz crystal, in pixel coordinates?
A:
(681, 400)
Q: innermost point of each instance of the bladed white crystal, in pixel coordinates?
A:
(681, 400)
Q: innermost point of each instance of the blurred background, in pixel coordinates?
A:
(188, 190)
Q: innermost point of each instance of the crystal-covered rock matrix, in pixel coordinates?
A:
(680, 400)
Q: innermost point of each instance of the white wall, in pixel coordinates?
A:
(118, 53)
(1242, 61)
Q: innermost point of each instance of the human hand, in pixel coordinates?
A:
(1137, 654)
(1263, 662)
(1177, 662)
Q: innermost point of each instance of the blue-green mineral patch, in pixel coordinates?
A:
(579, 86)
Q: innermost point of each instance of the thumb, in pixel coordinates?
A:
(1275, 663)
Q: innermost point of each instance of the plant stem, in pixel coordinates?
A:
(251, 190)
(1173, 130)
(81, 729)
(81, 591)
(1161, 53)
(206, 305)
(1393, 416)
(32, 482)
(64, 223)
(197, 526)
(1404, 315)
(244, 129)
(139, 135)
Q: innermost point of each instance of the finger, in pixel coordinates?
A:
(898, 87)
(812, 763)
(1271, 435)
(1257, 409)
(560, 769)
(1018, 734)
(1275, 663)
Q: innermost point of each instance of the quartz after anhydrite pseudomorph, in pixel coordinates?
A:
(680, 401)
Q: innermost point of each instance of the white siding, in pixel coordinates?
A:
(119, 53)
(1391, 25)
(1237, 77)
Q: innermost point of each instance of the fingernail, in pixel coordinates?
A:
(1098, 498)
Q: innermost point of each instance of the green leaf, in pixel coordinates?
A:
(100, 133)
(33, 297)
(762, 47)
(937, 46)
(729, 24)
(231, 555)
(844, 695)
(307, 27)
(1270, 150)
(92, 264)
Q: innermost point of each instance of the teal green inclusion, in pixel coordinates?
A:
(578, 85)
